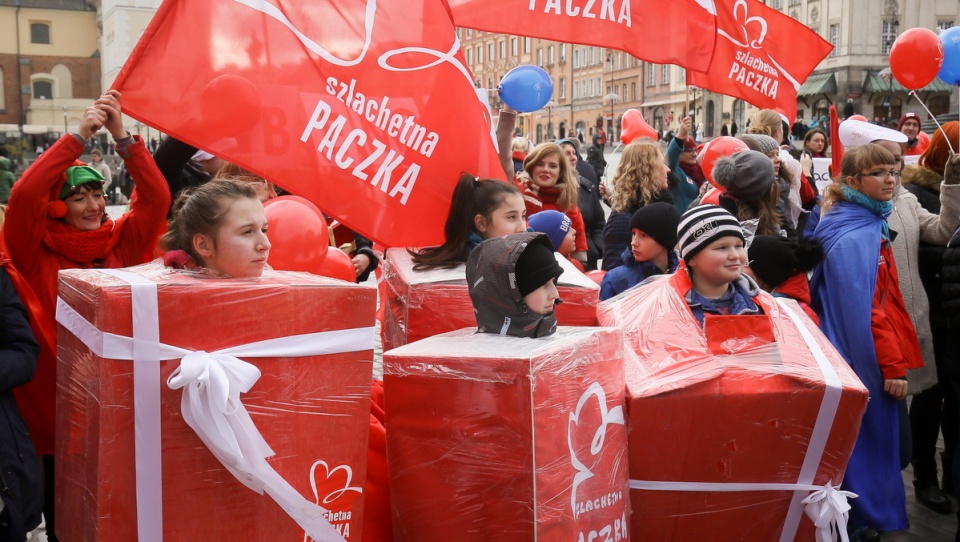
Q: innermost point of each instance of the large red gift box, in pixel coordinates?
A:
(313, 410)
(720, 406)
(506, 438)
(421, 304)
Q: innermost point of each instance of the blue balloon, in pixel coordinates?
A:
(526, 88)
(950, 71)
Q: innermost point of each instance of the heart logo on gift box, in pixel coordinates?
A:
(325, 483)
(606, 417)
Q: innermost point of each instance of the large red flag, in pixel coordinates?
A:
(680, 32)
(762, 55)
(366, 108)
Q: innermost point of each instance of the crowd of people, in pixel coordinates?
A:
(879, 246)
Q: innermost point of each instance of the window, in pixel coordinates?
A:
(469, 57)
(835, 39)
(503, 49)
(550, 55)
(576, 58)
(563, 88)
(526, 45)
(777, 4)
(889, 35)
(591, 87)
(682, 77)
(513, 47)
(563, 52)
(479, 55)
(490, 56)
(469, 32)
(943, 25)
(794, 2)
(39, 32)
(633, 92)
(623, 91)
(540, 57)
(650, 74)
(42, 90)
(665, 74)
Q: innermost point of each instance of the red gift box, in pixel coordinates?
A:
(422, 304)
(507, 438)
(311, 408)
(780, 417)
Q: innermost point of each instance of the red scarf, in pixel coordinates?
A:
(82, 247)
(549, 194)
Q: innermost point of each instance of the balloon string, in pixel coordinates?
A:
(940, 128)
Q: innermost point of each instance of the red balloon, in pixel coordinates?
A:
(298, 234)
(923, 141)
(596, 275)
(916, 58)
(716, 149)
(338, 265)
(633, 126)
(226, 95)
(858, 117)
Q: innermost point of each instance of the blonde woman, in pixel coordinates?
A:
(550, 183)
(641, 179)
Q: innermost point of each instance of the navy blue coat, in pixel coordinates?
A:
(19, 467)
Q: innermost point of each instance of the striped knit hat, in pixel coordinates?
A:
(702, 225)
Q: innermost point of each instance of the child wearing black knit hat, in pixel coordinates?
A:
(780, 266)
(711, 245)
(651, 251)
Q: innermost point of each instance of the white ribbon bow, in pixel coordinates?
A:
(829, 510)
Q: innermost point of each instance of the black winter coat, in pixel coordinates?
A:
(19, 469)
(950, 305)
(588, 201)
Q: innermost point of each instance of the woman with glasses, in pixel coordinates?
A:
(856, 293)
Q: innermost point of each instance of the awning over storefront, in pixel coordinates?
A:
(662, 102)
(818, 83)
(874, 83)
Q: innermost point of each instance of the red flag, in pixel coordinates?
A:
(837, 152)
(365, 108)
(680, 32)
(762, 55)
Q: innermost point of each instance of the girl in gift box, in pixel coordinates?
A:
(651, 251)
(220, 228)
(480, 209)
(780, 266)
(550, 183)
(855, 291)
(55, 220)
(513, 285)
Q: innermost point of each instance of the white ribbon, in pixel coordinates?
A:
(826, 506)
(210, 403)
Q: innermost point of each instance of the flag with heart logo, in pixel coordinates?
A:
(680, 32)
(365, 108)
(762, 55)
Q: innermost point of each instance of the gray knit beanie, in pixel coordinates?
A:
(746, 176)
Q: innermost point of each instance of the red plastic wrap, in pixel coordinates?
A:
(422, 304)
(507, 438)
(312, 410)
(759, 414)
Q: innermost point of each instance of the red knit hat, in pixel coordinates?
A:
(907, 116)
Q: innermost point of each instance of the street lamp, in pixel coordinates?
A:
(549, 107)
(611, 93)
(693, 110)
(65, 109)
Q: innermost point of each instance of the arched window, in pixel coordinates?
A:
(42, 89)
(64, 80)
(738, 107)
(658, 118)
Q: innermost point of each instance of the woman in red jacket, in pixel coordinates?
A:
(55, 220)
(550, 183)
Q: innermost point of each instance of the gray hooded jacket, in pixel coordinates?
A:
(491, 279)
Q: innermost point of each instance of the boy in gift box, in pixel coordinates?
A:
(512, 282)
(654, 229)
(557, 227)
(711, 245)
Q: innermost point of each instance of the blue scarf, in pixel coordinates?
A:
(879, 208)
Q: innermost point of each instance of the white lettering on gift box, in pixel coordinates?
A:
(583, 473)
(608, 533)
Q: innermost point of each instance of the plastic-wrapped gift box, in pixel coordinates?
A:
(734, 424)
(421, 304)
(507, 438)
(278, 372)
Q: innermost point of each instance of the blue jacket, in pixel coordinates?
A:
(631, 273)
(686, 190)
(19, 469)
(842, 292)
(740, 300)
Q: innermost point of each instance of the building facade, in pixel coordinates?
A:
(49, 67)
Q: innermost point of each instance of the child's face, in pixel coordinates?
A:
(645, 249)
(543, 299)
(509, 218)
(721, 262)
(569, 244)
(241, 246)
